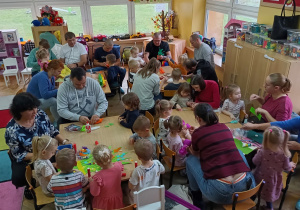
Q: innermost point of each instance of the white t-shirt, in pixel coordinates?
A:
(72, 54)
(43, 169)
(163, 132)
(139, 59)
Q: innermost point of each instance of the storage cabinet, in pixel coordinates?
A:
(248, 66)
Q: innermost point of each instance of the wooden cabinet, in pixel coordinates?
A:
(248, 66)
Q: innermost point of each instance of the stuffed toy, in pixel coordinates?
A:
(36, 23)
(46, 22)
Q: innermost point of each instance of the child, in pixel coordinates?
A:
(142, 127)
(105, 185)
(44, 148)
(174, 123)
(42, 57)
(270, 161)
(147, 174)
(113, 72)
(134, 67)
(134, 55)
(131, 104)
(164, 110)
(182, 96)
(174, 85)
(233, 104)
(68, 186)
(181, 59)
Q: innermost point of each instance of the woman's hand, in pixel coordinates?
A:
(254, 97)
(260, 111)
(248, 126)
(83, 119)
(178, 107)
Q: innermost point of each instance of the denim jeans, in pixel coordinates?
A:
(52, 104)
(213, 189)
(95, 69)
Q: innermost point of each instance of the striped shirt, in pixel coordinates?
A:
(219, 156)
(67, 189)
(233, 108)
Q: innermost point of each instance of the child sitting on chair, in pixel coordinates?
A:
(147, 174)
(131, 104)
(134, 55)
(174, 80)
(115, 74)
(68, 186)
(181, 59)
(134, 67)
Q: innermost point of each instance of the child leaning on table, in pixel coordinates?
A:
(182, 96)
(181, 59)
(134, 67)
(174, 85)
(68, 186)
(134, 55)
(131, 104)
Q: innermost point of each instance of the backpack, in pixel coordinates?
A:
(126, 54)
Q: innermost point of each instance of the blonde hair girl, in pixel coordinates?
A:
(44, 148)
(105, 185)
(163, 110)
(270, 161)
(42, 56)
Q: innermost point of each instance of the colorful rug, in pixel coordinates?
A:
(5, 167)
(10, 197)
(5, 117)
(3, 145)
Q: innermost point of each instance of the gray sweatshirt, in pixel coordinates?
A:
(204, 52)
(73, 103)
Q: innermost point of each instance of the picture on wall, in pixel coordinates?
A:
(10, 37)
(279, 4)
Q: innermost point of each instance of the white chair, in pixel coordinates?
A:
(12, 71)
(150, 198)
(26, 71)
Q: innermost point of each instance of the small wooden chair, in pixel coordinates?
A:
(242, 200)
(169, 93)
(39, 198)
(169, 159)
(20, 91)
(158, 154)
(150, 198)
(151, 118)
(131, 207)
(129, 86)
(286, 178)
(155, 128)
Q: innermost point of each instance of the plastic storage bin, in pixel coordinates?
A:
(292, 35)
(246, 26)
(266, 30)
(283, 47)
(255, 28)
(295, 51)
(248, 37)
(257, 40)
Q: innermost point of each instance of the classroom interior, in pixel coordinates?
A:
(208, 17)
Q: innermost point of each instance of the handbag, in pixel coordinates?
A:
(282, 23)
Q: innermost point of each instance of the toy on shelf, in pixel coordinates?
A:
(49, 17)
(99, 38)
(295, 51)
(137, 35)
(283, 47)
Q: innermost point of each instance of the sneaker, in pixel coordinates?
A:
(27, 193)
(298, 205)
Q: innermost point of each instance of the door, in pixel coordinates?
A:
(230, 62)
(279, 64)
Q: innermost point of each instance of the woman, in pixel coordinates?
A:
(206, 91)
(42, 86)
(147, 85)
(276, 106)
(28, 121)
(216, 167)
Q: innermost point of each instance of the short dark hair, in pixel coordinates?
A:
(111, 58)
(176, 74)
(69, 35)
(206, 113)
(78, 73)
(198, 80)
(143, 149)
(44, 43)
(141, 124)
(190, 63)
(23, 102)
(132, 100)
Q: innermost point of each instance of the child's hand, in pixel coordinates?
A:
(178, 107)
(131, 141)
(91, 179)
(164, 80)
(260, 111)
(192, 129)
(292, 165)
(246, 116)
(167, 59)
(232, 116)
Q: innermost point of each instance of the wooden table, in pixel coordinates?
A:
(105, 89)
(115, 136)
(168, 70)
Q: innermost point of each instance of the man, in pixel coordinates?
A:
(78, 97)
(155, 46)
(202, 50)
(73, 54)
(32, 61)
(102, 52)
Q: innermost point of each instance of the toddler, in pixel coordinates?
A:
(182, 96)
(113, 72)
(147, 174)
(105, 185)
(134, 67)
(142, 127)
(175, 77)
(68, 186)
(181, 59)
(174, 123)
(134, 55)
(233, 104)
(270, 161)
(42, 57)
(164, 110)
(44, 148)
(131, 104)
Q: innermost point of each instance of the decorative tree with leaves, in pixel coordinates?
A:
(164, 22)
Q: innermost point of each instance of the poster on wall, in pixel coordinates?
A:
(279, 4)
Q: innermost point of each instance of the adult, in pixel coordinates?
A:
(277, 105)
(78, 97)
(216, 167)
(202, 50)
(102, 52)
(49, 36)
(205, 91)
(32, 60)
(28, 121)
(147, 85)
(42, 86)
(155, 46)
(73, 54)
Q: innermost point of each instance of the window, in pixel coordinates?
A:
(109, 19)
(144, 13)
(245, 18)
(251, 3)
(19, 19)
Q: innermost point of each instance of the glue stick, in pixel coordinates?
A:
(135, 164)
(89, 172)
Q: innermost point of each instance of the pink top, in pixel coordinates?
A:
(106, 188)
(280, 109)
(210, 94)
(175, 144)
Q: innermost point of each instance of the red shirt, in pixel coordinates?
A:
(210, 94)
(280, 109)
(219, 156)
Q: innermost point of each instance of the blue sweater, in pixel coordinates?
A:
(112, 74)
(41, 87)
(289, 125)
(130, 117)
